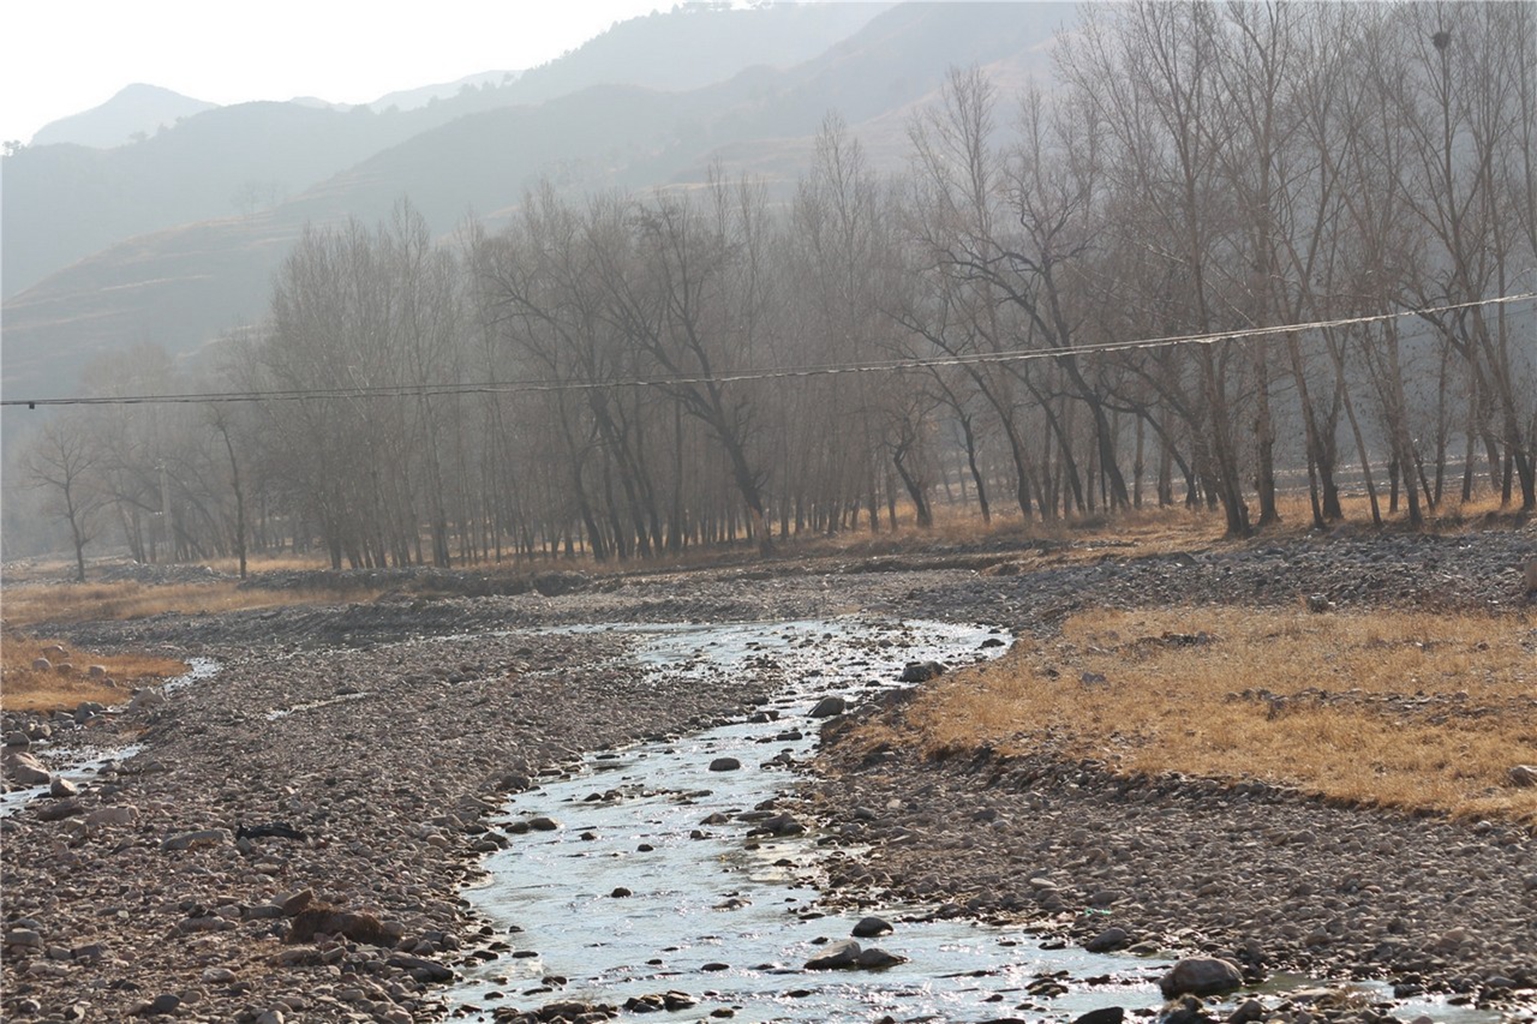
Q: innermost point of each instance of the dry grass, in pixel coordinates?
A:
(1148, 530)
(93, 602)
(67, 681)
(1400, 709)
(270, 563)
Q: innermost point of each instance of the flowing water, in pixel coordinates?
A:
(81, 763)
(635, 893)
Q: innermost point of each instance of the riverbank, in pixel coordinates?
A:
(362, 777)
(387, 732)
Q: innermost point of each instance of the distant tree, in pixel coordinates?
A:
(64, 459)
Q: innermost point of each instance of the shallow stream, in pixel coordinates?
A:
(650, 882)
(81, 762)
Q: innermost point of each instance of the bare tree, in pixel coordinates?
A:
(64, 460)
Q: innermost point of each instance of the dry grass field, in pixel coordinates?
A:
(1396, 709)
(24, 688)
(68, 679)
(93, 602)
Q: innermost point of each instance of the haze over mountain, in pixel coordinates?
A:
(175, 239)
(410, 99)
(137, 110)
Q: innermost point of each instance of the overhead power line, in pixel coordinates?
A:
(781, 373)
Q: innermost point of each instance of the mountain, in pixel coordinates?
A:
(63, 202)
(410, 99)
(182, 285)
(138, 110)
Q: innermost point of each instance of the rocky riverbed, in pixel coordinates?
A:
(335, 779)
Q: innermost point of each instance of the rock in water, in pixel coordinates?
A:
(725, 764)
(1201, 976)
(1103, 1015)
(26, 770)
(921, 671)
(870, 927)
(837, 955)
(828, 707)
(1105, 941)
(875, 959)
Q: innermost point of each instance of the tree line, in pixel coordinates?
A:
(623, 375)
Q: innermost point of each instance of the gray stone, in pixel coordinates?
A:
(188, 840)
(870, 927)
(1107, 940)
(543, 824)
(421, 969)
(837, 955)
(1252, 1010)
(875, 959)
(118, 814)
(725, 764)
(58, 810)
(1201, 976)
(293, 904)
(88, 954)
(149, 697)
(827, 707)
(1523, 775)
(1103, 1015)
(921, 671)
(61, 787)
(778, 825)
(26, 770)
(23, 938)
(163, 1004)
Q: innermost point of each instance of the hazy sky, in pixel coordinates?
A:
(65, 56)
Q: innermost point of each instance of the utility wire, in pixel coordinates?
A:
(784, 373)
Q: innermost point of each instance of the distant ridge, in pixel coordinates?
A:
(145, 241)
(137, 110)
(410, 99)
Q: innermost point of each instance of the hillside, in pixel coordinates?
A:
(183, 285)
(136, 109)
(64, 201)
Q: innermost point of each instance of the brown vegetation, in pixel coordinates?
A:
(1398, 709)
(92, 602)
(65, 681)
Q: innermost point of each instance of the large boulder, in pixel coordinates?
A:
(1200, 976)
(829, 706)
(25, 769)
(837, 956)
(921, 671)
(870, 927)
